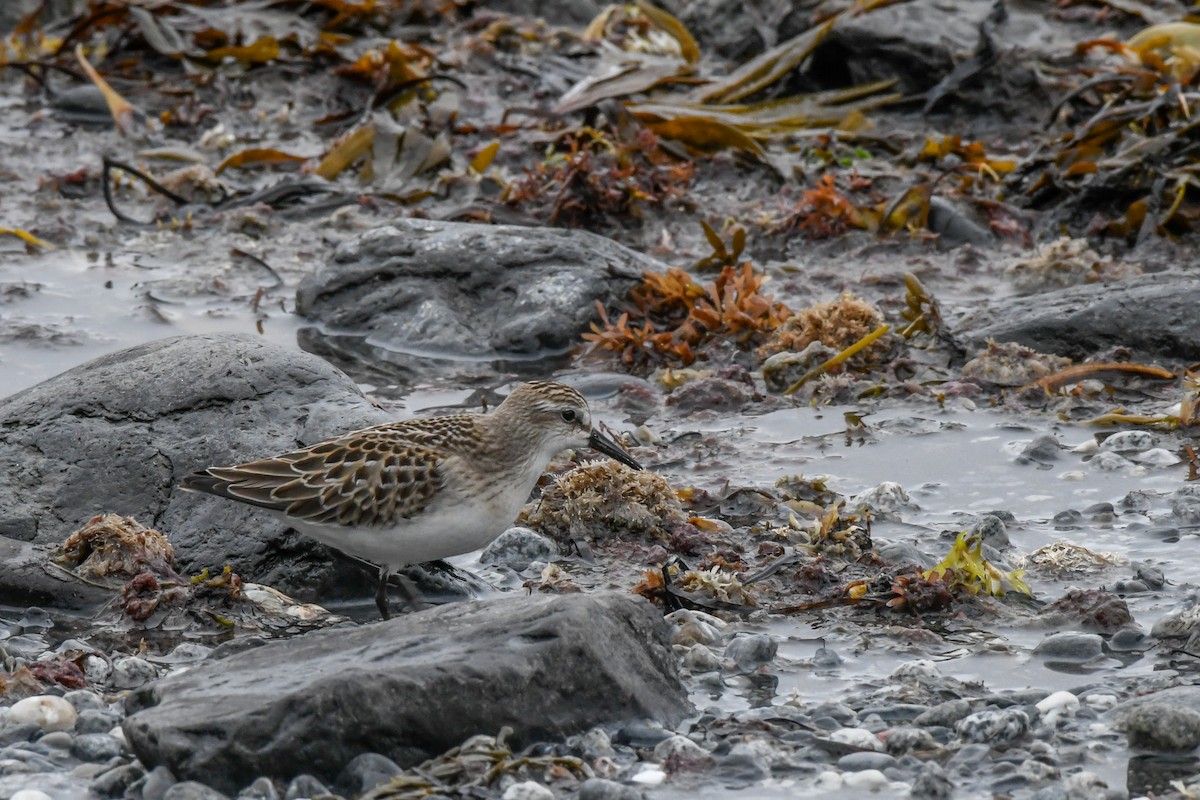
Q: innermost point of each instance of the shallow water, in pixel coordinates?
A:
(77, 306)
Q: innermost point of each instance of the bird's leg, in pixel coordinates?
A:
(381, 593)
(412, 595)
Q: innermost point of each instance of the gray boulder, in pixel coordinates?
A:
(410, 688)
(462, 291)
(118, 433)
(1153, 314)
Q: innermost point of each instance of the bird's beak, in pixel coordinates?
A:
(601, 443)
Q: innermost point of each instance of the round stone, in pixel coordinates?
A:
(1126, 441)
(1163, 728)
(517, 548)
(527, 790)
(84, 699)
(93, 720)
(131, 672)
(1072, 647)
(46, 711)
(994, 726)
(95, 747)
(751, 652)
(700, 660)
(190, 790)
(602, 789)
(865, 760)
(857, 737)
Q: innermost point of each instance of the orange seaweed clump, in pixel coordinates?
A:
(823, 213)
(673, 315)
(588, 179)
(836, 324)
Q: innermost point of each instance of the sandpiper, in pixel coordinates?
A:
(422, 489)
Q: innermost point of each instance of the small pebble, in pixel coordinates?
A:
(700, 660)
(1187, 509)
(131, 672)
(1059, 704)
(365, 772)
(304, 786)
(751, 652)
(1043, 449)
(1110, 462)
(96, 669)
(115, 781)
(1156, 457)
(96, 747)
(866, 760)
(922, 670)
(992, 530)
(158, 781)
(857, 737)
(191, 790)
(826, 659)
(261, 789)
(46, 711)
(85, 700)
(37, 619)
(517, 548)
(868, 780)
(1072, 647)
(888, 497)
(994, 726)
(527, 790)
(91, 720)
(60, 740)
(1125, 441)
(650, 776)
(602, 789)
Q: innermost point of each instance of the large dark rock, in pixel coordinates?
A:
(1153, 314)
(460, 291)
(410, 688)
(118, 433)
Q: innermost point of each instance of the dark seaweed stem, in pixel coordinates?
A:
(106, 184)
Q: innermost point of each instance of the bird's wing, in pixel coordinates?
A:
(368, 478)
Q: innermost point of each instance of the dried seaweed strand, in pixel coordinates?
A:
(853, 349)
(1082, 371)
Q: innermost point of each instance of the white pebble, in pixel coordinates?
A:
(1124, 441)
(920, 670)
(1073, 475)
(650, 776)
(528, 790)
(131, 672)
(871, 780)
(30, 794)
(96, 669)
(829, 781)
(678, 746)
(886, 498)
(857, 737)
(118, 733)
(1059, 704)
(1087, 447)
(1110, 462)
(1157, 457)
(1101, 702)
(700, 659)
(47, 712)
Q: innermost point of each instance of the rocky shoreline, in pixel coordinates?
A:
(895, 302)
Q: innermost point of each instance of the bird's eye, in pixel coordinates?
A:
(568, 415)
